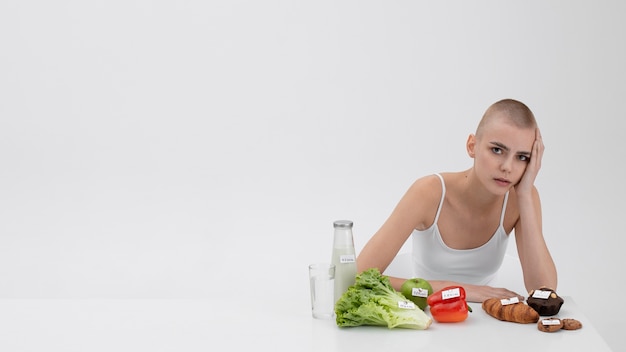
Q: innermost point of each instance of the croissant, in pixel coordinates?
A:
(518, 312)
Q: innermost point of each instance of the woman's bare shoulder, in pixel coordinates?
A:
(454, 177)
(429, 185)
(424, 196)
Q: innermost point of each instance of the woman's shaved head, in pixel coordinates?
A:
(513, 111)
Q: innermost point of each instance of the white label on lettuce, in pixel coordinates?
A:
(451, 293)
(419, 292)
(508, 301)
(406, 305)
(541, 294)
(346, 258)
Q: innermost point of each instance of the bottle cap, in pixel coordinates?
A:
(343, 224)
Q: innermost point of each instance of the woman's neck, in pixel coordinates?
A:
(474, 192)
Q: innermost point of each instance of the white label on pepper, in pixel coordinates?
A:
(346, 258)
(451, 293)
(406, 305)
(508, 301)
(419, 292)
(551, 322)
(541, 294)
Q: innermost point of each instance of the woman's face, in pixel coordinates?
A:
(501, 153)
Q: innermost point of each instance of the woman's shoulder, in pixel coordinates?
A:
(422, 200)
(454, 177)
(427, 188)
(428, 182)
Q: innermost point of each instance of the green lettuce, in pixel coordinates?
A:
(373, 301)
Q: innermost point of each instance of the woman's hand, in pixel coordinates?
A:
(525, 185)
(478, 294)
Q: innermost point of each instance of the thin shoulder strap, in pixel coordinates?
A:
(506, 198)
(443, 194)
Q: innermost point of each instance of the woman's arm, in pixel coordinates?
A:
(409, 213)
(477, 293)
(537, 264)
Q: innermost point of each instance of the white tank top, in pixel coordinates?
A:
(434, 260)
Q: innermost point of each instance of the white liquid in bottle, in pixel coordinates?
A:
(344, 257)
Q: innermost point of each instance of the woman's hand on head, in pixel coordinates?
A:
(525, 185)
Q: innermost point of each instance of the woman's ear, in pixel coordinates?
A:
(471, 145)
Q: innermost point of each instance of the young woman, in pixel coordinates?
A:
(460, 222)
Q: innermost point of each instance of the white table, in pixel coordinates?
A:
(282, 324)
(478, 332)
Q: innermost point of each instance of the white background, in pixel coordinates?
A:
(167, 149)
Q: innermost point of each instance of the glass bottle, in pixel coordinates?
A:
(343, 257)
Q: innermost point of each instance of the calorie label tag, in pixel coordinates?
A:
(419, 292)
(551, 322)
(541, 294)
(451, 293)
(508, 301)
(346, 258)
(406, 305)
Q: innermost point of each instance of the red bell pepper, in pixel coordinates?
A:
(448, 305)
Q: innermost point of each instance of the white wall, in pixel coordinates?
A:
(142, 142)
